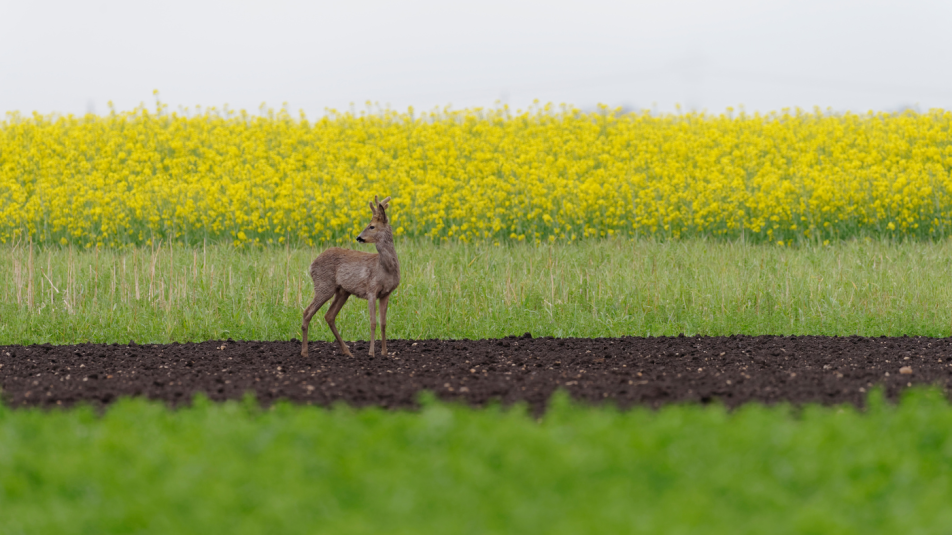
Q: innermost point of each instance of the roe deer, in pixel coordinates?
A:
(340, 273)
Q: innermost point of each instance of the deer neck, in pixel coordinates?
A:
(387, 253)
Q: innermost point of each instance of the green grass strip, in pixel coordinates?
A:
(588, 289)
(234, 468)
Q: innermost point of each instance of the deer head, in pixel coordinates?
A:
(378, 224)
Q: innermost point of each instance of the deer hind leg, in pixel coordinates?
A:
(384, 301)
(339, 299)
(321, 295)
(372, 306)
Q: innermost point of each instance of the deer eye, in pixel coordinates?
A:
(371, 226)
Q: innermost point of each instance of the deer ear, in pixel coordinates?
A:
(383, 203)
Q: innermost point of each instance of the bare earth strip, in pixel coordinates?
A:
(623, 371)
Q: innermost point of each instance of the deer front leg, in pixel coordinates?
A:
(372, 306)
(384, 301)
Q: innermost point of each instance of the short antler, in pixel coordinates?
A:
(380, 209)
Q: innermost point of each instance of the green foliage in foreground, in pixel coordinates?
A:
(232, 468)
(593, 288)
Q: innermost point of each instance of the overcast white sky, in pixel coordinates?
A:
(75, 56)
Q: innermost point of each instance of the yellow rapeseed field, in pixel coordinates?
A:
(550, 173)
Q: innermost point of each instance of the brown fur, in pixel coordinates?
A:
(340, 273)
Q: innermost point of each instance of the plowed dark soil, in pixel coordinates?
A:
(625, 371)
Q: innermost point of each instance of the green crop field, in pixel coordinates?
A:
(232, 468)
